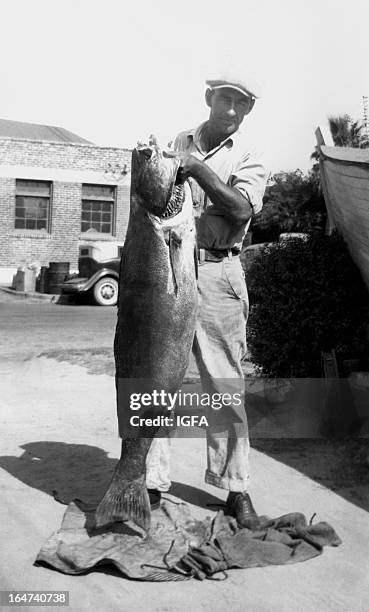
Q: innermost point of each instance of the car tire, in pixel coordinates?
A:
(105, 291)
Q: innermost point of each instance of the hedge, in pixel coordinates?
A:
(306, 297)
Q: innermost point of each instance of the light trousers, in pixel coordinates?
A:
(219, 347)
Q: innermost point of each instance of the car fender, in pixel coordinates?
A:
(100, 274)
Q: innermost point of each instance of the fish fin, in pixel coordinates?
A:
(175, 242)
(123, 501)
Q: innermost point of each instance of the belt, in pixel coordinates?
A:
(215, 255)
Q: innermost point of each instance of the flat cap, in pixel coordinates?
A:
(245, 84)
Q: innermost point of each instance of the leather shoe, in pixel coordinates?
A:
(239, 505)
(155, 497)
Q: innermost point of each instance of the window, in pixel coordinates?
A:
(32, 204)
(98, 208)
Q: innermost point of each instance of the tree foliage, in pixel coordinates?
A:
(293, 202)
(347, 133)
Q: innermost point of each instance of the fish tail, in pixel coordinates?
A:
(123, 501)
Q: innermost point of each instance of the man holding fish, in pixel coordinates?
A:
(227, 180)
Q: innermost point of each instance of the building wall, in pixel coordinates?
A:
(60, 154)
(67, 166)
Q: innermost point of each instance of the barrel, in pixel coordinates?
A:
(58, 270)
(41, 282)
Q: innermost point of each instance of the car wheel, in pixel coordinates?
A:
(105, 291)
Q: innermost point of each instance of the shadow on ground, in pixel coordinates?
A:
(97, 361)
(82, 299)
(339, 465)
(297, 425)
(78, 471)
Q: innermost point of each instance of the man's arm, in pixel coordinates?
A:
(229, 200)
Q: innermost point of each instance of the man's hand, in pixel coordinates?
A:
(190, 165)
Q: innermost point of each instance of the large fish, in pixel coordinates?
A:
(156, 315)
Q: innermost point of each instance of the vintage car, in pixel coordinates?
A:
(98, 273)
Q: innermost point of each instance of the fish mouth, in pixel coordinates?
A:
(175, 202)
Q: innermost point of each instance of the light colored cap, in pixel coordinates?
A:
(245, 84)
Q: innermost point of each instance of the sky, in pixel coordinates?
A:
(115, 71)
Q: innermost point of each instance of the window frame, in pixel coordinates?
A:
(102, 199)
(24, 193)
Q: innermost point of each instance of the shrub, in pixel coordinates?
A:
(293, 202)
(306, 297)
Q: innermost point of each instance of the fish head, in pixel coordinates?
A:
(156, 183)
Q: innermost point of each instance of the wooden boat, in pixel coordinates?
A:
(344, 173)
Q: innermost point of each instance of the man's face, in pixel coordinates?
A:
(227, 110)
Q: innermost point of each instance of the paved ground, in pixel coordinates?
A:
(57, 424)
(58, 432)
(29, 328)
(78, 333)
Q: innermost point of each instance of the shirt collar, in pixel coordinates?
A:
(194, 134)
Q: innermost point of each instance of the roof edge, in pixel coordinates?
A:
(65, 143)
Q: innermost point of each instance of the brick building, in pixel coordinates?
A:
(57, 191)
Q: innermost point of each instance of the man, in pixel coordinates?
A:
(228, 182)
